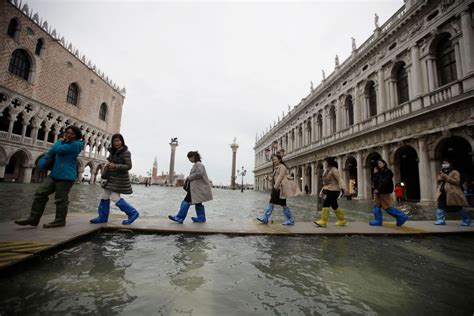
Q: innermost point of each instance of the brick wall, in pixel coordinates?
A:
(54, 71)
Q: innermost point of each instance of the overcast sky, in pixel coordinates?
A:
(207, 72)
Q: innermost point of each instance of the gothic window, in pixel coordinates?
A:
(350, 110)
(402, 84)
(18, 125)
(372, 98)
(446, 61)
(41, 131)
(72, 93)
(20, 64)
(103, 111)
(39, 47)
(13, 28)
(5, 120)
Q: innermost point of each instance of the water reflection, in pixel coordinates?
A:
(259, 275)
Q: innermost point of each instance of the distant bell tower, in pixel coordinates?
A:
(155, 169)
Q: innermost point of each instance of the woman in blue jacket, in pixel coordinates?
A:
(60, 180)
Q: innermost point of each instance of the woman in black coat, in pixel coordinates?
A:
(117, 181)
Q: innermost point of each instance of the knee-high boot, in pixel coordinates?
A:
(440, 218)
(201, 214)
(103, 210)
(266, 215)
(378, 217)
(399, 215)
(340, 217)
(289, 219)
(129, 210)
(466, 220)
(324, 217)
(182, 213)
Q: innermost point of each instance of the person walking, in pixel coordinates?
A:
(198, 188)
(62, 159)
(282, 189)
(449, 195)
(333, 185)
(383, 188)
(117, 181)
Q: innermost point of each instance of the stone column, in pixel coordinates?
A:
(314, 179)
(381, 107)
(34, 134)
(467, 39)
(2, 171)
(356, 104)
(234, 147)
(457, 53)
(360, 176)
(431, 73)
(416, 83)
(23, 132)
(385, 154)
(424, 167)
(173, 145)
(341, 170)
(304, 176)
(393, 92)
(10, 127)
(27, 170)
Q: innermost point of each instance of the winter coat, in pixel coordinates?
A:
(199, 184)
(119, 179)
(383, 181)
(287, 187)
(65, 162)
(332, 180)
(454, 194)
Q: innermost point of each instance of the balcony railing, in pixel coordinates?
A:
(403, 110)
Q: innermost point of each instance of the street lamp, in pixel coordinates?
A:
(242, 173)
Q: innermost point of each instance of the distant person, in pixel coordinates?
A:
(306, 189)
(282, 189)
(117, 181)
(198, 188)
(449, 195)
(382, 182)
(62, 159)
(399, 193)
(333, 186)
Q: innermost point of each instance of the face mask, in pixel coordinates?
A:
(445, 165)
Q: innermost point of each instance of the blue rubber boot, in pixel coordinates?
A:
(104, 210)
(129, 210)
(378, 217)
(182, 213)
(399, 215)
(201, 214)
(440, 219)
(266, 215)
(289, 219)
(466, 220)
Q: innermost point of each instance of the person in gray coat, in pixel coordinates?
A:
(198, 188)
(117, 181)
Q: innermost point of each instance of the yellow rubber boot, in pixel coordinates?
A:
(324, 217)
(340, 217)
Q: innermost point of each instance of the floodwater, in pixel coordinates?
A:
(149, 274)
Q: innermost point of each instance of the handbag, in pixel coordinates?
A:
(186, 185)
(105, 173)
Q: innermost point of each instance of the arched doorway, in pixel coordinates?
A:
(459, 152)
(406, 163)
(370, 164)
(351, 175)
(14, 169)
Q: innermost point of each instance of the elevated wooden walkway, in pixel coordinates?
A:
(18, 243)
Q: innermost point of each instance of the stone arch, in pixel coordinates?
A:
(370, 162)
(406, 171)
(459, 150)
(371, 96)
(17, 162)
(350, 168)
(25, 151)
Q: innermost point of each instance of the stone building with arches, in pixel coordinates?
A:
(406, 95)
(46, 84)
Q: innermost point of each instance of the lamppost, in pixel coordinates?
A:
(242, 173)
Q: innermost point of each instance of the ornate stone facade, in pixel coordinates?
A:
(405, 95)
(46, 85)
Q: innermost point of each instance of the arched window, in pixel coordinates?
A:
(402, 84)
(320, 126)
(13, 28)
(72, 93)
(372, 98)
(20, 64)
(103, 111)
(5, 120)
(350, 110)
(446, 61)
(39, 46)
(332, 117)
